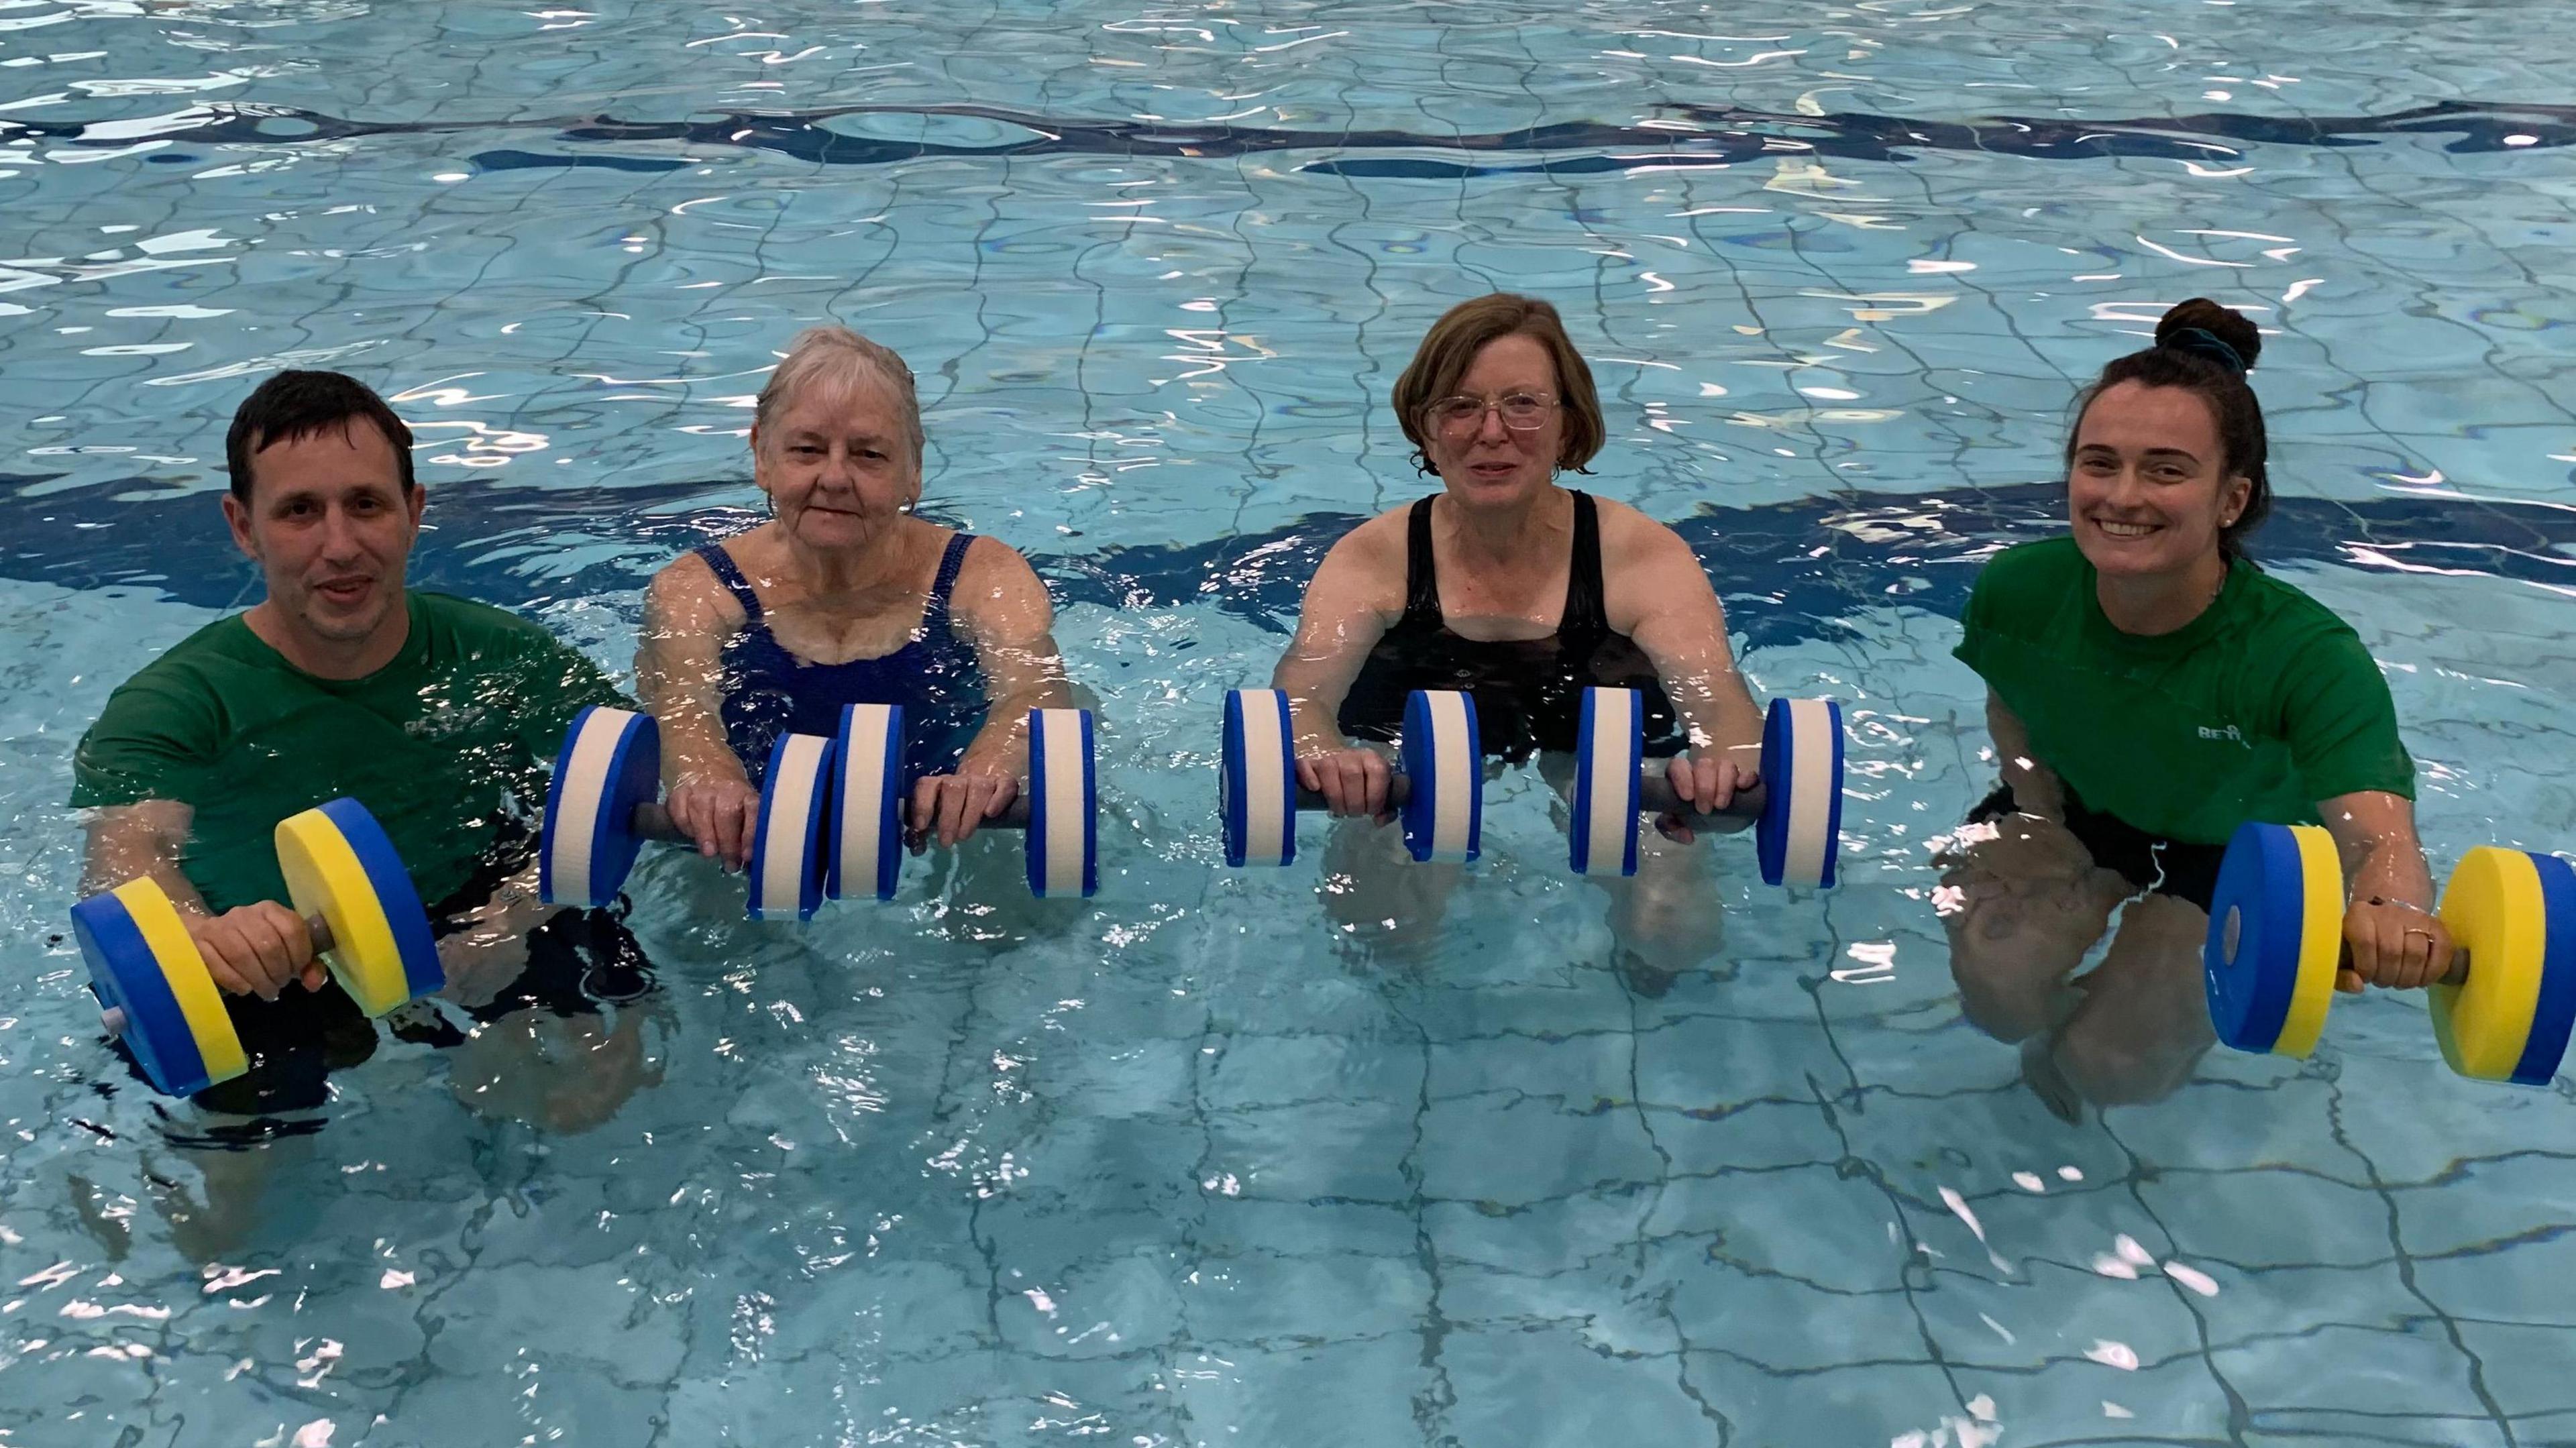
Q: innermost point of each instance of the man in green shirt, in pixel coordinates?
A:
(436, 713)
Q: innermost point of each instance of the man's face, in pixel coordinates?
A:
(329, 525)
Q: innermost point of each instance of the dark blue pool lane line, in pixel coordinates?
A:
(1726, 135)
(1786, 570)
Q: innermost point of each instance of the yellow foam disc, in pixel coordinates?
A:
(2496, 913)
(323, 877)
(2320, 941)
(200, 1000)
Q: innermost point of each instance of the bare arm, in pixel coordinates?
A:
(2396, 940)
(679, 674)
(130, 841)
(1357, 593)
(1659, 596)
(679, 677)
(2034, 785)
(1008, 618)
(254, 949)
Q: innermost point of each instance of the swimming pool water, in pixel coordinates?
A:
(1174, 1166)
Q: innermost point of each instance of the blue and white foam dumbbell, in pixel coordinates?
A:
(1609, 751)
(1064, 840)
(1058, 810)
(1437, 789)
(1797, 805)
(1444, 767)
(786, 871)
(1798, 838)
(601, 808)
(1257, 779)
(867, 803)
(610, 766)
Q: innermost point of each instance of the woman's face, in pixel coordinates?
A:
(2149, 489)
(836, 464)
(1483, 458)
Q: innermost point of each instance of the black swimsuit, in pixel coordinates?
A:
(1529, 692)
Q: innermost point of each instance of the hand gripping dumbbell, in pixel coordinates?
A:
(342, 875)
(2276, 942)
(1439, 783)
(830, 815)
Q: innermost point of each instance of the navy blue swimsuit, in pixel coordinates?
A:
(769, 691)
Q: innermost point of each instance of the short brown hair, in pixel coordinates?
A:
(293, 405)
(1449, 349)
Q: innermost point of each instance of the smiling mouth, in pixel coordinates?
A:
(2126, 530)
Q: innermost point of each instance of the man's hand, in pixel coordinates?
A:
(257, 949)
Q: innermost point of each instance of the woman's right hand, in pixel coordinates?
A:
(1354, 780)
(721, 817)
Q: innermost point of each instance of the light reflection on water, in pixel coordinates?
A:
(1172, 1167)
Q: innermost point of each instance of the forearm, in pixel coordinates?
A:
(140, 841)
(2035, 787)
(1717, 714)
(2375, 835)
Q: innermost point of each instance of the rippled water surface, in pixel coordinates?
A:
(1176, 1166)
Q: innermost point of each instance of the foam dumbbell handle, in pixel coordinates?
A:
(1654, 795)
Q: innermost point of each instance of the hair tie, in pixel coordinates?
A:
(2206, 343)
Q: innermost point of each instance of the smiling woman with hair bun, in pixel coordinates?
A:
(2149, 689)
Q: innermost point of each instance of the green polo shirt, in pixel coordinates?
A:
(439, 744)
(2256, 710)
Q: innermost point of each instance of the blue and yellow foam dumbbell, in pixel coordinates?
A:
(2276, 942)
(1437, 786)
(153, 987)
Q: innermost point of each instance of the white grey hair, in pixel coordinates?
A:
(840, 357)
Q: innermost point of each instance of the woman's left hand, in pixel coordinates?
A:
(2396, 945)
(1705, 785)
(951, 807)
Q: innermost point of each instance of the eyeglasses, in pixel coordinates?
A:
(1522, 411)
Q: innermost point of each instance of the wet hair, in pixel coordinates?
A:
(839, 357)
(1449, 350)
(293, 405)
(2204, 349)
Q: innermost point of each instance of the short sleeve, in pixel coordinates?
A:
(2340, 721)
(1976, 618)
(154, 740)
(551, 682)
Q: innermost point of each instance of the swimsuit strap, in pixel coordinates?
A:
(935, 613)
(1587, 614)
(722, 565)
(1421, 575)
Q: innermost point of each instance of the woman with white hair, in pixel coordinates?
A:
(844, 597)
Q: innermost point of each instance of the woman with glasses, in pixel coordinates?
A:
(1521, 593)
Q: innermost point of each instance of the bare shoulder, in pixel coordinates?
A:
(998, 595)
(1630, 538)
(992, 565)
(686, 593)
(1373, 547)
